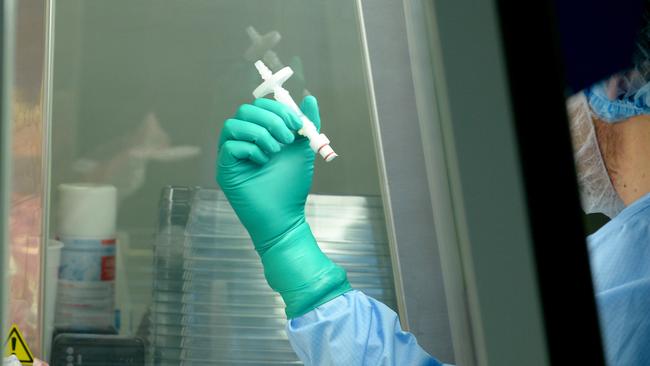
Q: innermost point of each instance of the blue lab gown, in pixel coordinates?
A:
(620, 266)
(354, 330)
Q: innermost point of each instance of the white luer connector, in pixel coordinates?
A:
(273, 84)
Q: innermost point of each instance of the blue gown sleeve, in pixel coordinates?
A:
(354, 329)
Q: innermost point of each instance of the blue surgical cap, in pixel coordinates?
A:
(625, 94)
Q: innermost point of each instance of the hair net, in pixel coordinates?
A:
(625, 94)
(596, 190)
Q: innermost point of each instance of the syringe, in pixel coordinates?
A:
(273, 84)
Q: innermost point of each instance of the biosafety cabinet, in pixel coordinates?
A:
(111, 116)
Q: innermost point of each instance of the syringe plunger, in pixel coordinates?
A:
(264, 71)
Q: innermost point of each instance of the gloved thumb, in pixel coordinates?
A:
(309, 107)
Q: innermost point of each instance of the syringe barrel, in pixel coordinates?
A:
(308, 128)
(319, 143)
(282, 95)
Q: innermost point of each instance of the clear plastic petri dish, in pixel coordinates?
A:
(169, 240)
(217, 254)
(229, 343)
(169, 275)
(162, 304)
(327, 200)
(345, 230)
(224, 299)
(220, 273)
(258, 344)
(259, 320)
(168, 262)
(223, 265)
(166, 318)
(225, 282)
(219, 242)
(362, 247)
(233, 309)
(239, 354)
(167, 296)
(235, 363)
(169, 251)
(354, 258)
(217, 227)
(197, 288)
(168, 285)
(348, 213)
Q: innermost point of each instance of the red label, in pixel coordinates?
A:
(108, 242)
(108, 268)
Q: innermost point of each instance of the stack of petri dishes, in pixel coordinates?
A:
(165, 328)
(211, 304)
(230, 315)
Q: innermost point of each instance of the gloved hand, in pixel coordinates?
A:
(265, 171)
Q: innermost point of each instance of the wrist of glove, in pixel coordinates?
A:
(304, 276)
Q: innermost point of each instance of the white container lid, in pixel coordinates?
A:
(86, 210)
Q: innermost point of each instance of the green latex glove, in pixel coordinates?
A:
(266, 171)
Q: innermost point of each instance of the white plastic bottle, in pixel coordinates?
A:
(86, 221)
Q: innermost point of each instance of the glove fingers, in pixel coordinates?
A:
(233, 151)
(245, 131)
(309, 107)
(290, 117)
(267, 119)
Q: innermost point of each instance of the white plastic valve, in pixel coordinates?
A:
(272, 84)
